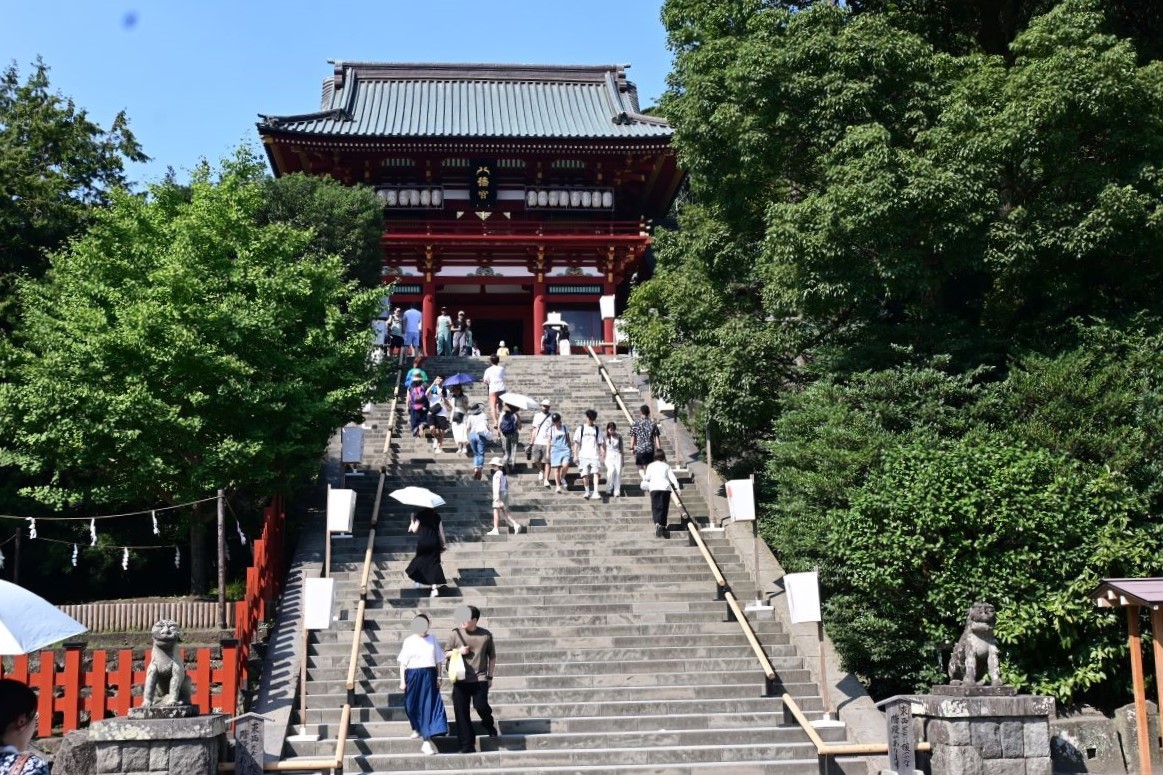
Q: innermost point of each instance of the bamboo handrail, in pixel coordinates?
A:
(838, 749)
(693, 530)
(301, 764)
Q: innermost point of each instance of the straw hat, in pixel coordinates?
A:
(497, 462)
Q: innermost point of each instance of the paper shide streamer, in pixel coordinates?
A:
(177, 557)
(74, 555)
(125, 559)
(31, 527)
(92, 532)
(156, 530)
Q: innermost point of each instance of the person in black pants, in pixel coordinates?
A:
(659, 481)
(480, 658)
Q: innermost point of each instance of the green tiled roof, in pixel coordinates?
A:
(368, 99)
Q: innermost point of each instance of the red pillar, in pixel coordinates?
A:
(428, 321)
(538, 314)
(608, 323)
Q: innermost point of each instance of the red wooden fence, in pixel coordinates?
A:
(71, 693)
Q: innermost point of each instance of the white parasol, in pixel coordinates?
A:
(417, 496)
(520, 401)
(29, 622)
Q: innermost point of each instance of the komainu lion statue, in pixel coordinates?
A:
(166, 682)
(976, 651)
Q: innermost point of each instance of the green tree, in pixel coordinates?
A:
(180, 346)
(347, 221)
(56, 165)
(942, 525)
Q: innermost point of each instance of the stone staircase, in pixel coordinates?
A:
(614, 655)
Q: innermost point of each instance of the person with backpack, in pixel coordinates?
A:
(501, 498)
(588, 448)
(417, 405)
(549, 341)
(538, 444)
(510, 427)
(644, 433)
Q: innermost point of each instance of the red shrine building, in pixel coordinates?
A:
(511, 192)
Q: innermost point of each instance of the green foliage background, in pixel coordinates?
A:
(916, 287)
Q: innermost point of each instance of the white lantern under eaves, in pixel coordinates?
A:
(425, 197)
(575, 199)
(585, 198)
(553, 199)
(607, 199)
(390, 197)
(530, 198)
(542, 198)
(596, 199)
(437, 197)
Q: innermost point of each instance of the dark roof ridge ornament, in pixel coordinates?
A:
(483, 71)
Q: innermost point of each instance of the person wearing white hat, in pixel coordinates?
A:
(501, 499)
(502, 350)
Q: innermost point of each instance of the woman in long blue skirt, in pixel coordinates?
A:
(421, 663)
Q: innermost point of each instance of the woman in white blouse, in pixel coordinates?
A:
(421, 661)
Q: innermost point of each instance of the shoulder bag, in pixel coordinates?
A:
(456, 661)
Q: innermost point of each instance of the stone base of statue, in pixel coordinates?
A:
(986, 730)
(165, 711)
(144, 746)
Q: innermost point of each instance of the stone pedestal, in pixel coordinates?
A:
(1128, 732)
(987, 731)
(181, 746)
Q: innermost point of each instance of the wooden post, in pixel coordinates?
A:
(222, 559)
(824, 693)
(710, 492)
(1157, 633)
(1136, 647)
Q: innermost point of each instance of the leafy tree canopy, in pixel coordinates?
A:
(56, 164)
(898, 212)
(852, 185)
(347, 221)
(182, 345)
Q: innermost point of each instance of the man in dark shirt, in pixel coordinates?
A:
(480, 658)
(644, 434)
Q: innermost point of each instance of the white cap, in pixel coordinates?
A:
(502, 344)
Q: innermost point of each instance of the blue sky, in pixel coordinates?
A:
(192, 76)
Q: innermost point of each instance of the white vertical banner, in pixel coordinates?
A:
(803, 596)
(741, 499)
(318, 601)
(340, 510)
(606, 305)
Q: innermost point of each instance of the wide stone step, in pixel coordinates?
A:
(771, 720)
(330, 654)
(389, 681)
(400, 744)
(394, 630)
(611, 645)
(620, 710)
(612, 672)
(799, 754)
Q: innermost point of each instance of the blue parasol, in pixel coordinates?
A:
(459, 379)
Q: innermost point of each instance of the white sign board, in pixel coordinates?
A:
(318, 600)
(803, 596)
(351, 441)
(662, 405)
(340, 510)
(741, 500)
(606, 305)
